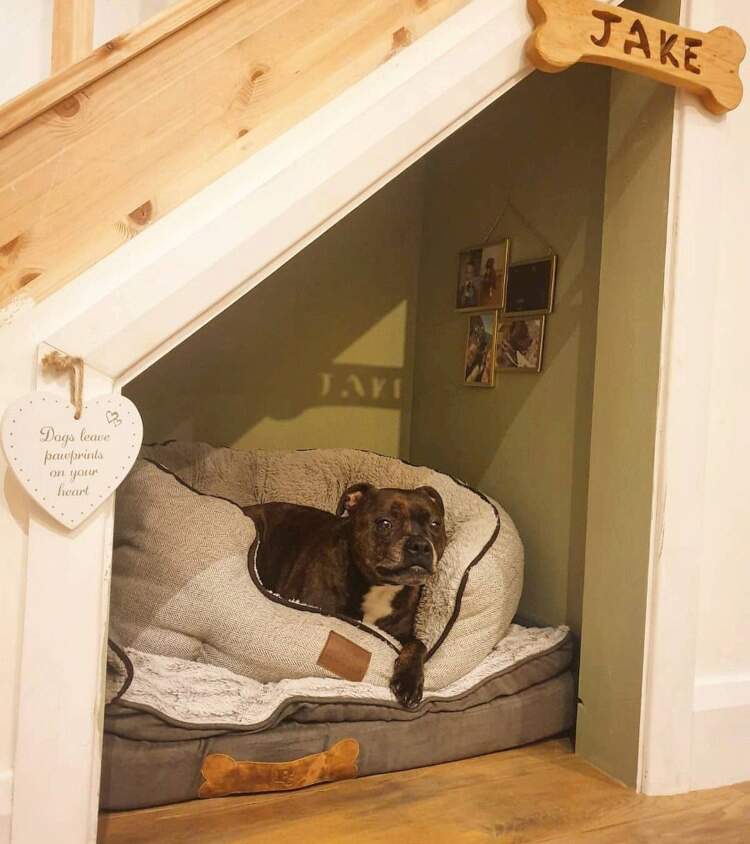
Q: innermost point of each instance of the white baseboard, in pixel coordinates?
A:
(721, 743)
(721, 692)
(6, 790)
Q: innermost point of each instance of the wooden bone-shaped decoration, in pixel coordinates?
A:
(223, 775)
(707, 64)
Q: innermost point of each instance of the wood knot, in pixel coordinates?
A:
(142, 214)
(11, 248)
(401, 38)
(422, 4)
(242, 133)
(27, 278)
(251, 88)
(68, 107)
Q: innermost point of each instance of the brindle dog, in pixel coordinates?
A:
(368, 562)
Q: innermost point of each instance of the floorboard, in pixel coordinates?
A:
(541, 793)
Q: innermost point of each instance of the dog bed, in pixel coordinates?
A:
(185, 586)
(171, 720)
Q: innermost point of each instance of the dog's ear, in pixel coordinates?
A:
(434, 496)
(353, 497)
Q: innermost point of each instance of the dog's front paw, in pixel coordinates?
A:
(408, 688)
(407, 682)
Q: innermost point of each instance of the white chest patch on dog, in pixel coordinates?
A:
(378, 602)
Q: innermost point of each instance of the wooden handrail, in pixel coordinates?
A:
(117, 51)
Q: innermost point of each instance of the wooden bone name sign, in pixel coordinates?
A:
(707, 64)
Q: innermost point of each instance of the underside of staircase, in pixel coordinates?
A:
(101, 150)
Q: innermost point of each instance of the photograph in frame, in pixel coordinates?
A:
(530, 287)
(479, 355)
(482, 276)
(520, 344)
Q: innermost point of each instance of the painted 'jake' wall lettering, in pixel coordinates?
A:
(569, 31)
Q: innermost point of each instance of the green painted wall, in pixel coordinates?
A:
(322, 354)
(318, 355)
(624, 419)
(526, 442)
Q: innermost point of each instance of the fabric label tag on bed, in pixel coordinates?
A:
(343, 658)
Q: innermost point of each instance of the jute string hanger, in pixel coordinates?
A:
(59, 362)
(509, 206)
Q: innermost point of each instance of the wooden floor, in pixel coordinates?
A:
(538, 793)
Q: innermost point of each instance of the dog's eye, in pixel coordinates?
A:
(435, 525)
(383, 524)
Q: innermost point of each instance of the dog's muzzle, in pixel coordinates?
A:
(417, 563)
(419, 552)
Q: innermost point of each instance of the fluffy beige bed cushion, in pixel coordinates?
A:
(181, 586)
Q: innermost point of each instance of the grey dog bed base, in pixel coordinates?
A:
(151, 761)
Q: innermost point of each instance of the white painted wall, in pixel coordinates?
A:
(14, 528)
(25, 45)
(697, 704)
(113, 17)
(26, 36)
(721, 751)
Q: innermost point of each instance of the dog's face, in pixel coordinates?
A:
(398, 534)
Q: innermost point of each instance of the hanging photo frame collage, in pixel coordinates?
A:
(507, 307)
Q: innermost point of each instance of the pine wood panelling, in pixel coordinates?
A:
(84, 176)
(114, 53)
(72, 32)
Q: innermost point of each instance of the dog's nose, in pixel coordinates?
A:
(420, 551)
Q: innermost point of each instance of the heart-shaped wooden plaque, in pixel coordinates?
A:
(70, 466)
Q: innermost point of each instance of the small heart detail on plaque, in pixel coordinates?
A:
(71, 466)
